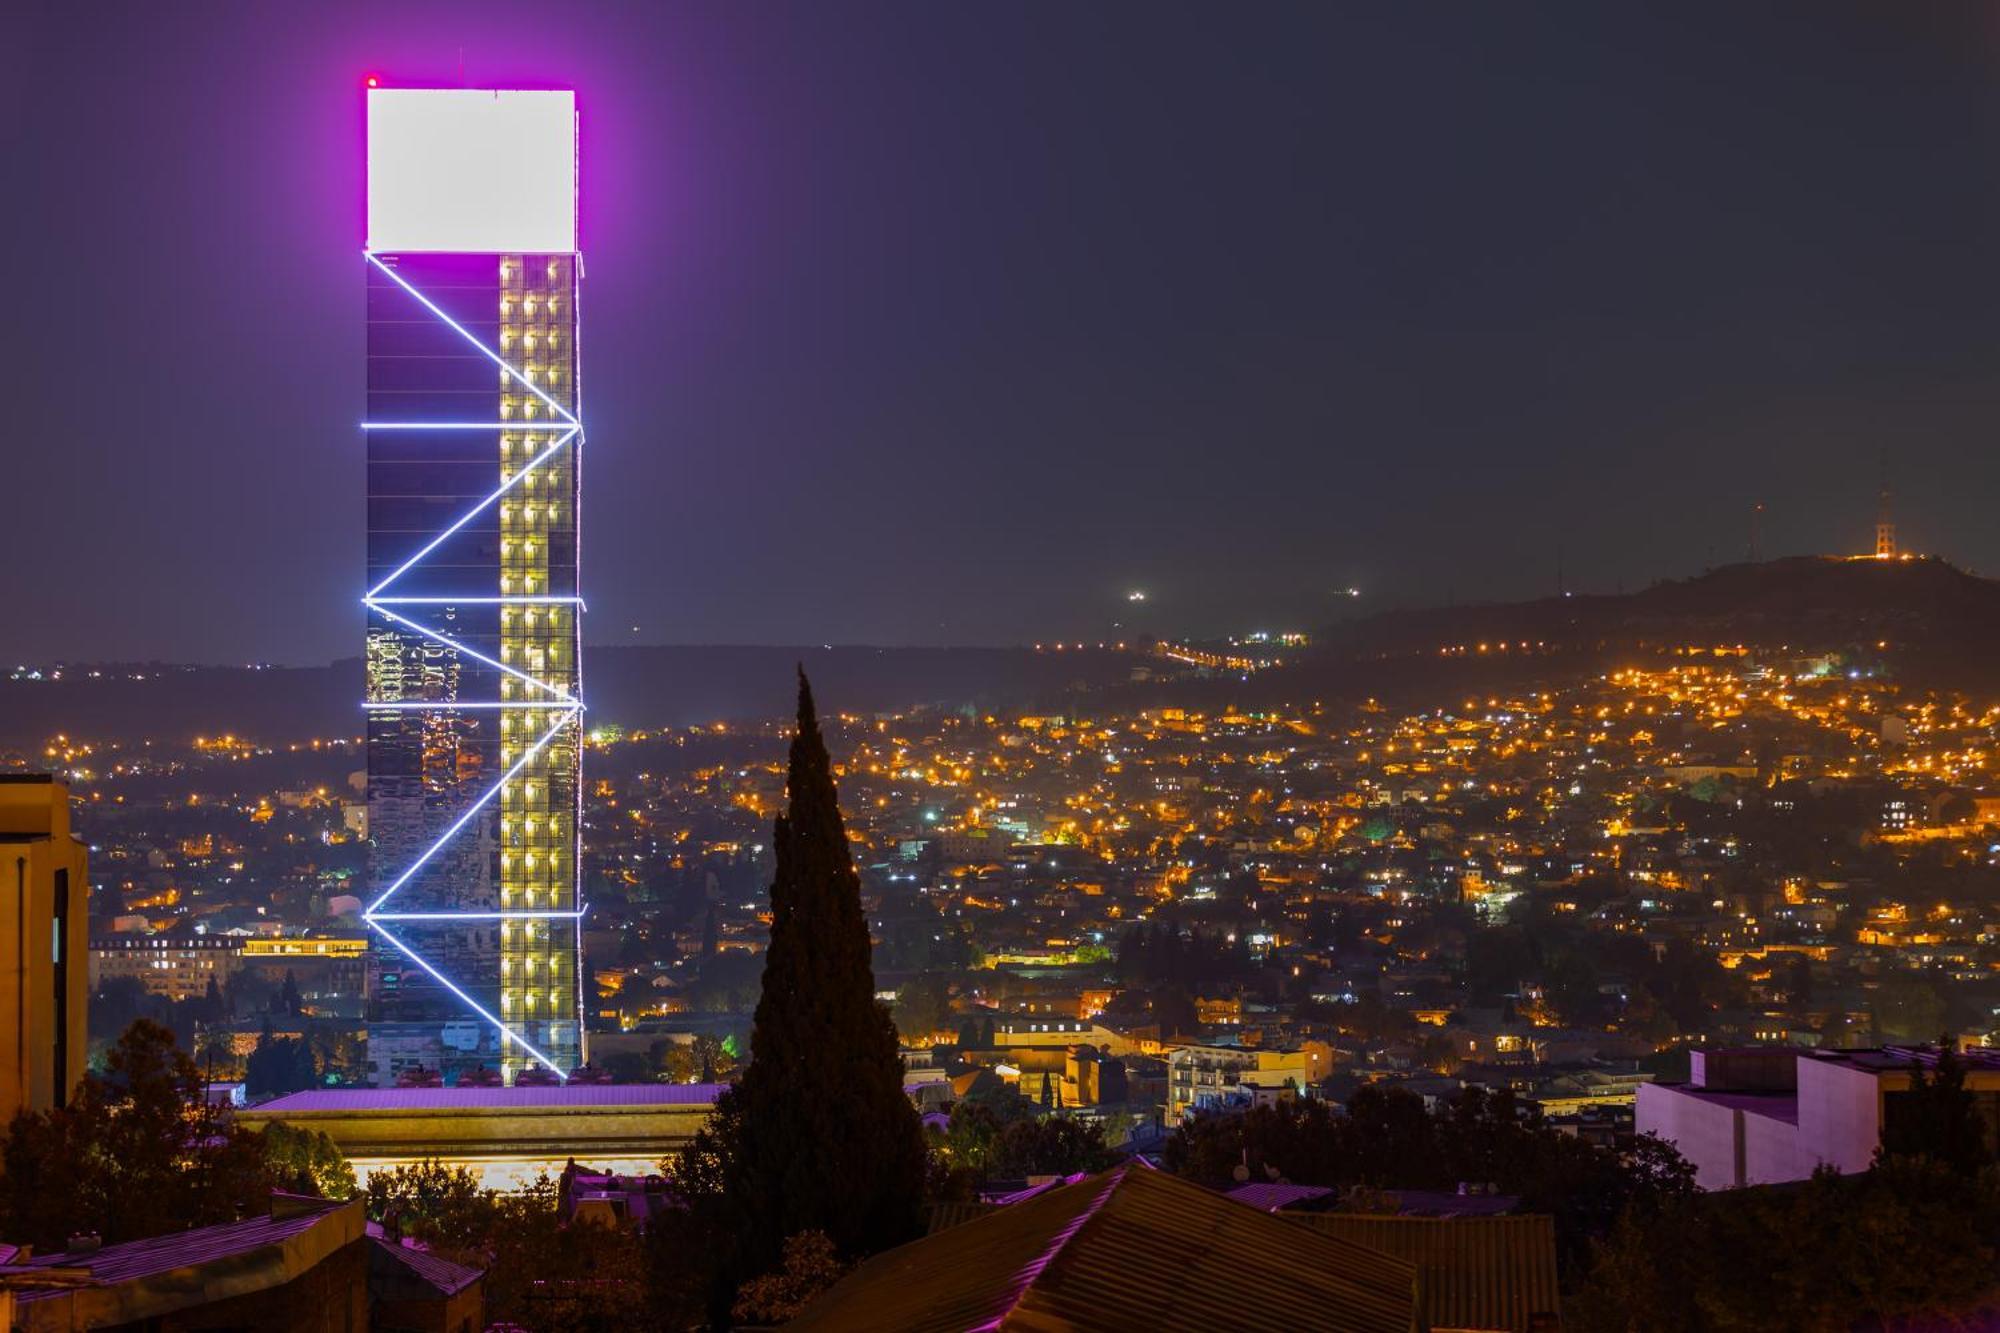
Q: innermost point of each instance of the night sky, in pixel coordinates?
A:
(952, 323)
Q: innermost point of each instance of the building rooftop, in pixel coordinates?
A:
(399, 1267)
(552, 1098)
(1131, 1248)
(1881, 1058)
(135, 1263)
(1478, 1272)
(1782, 1106)
(1269, 1197)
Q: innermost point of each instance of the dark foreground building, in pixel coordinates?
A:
(308, 1266)
(302, 1268)
(1138, 1248)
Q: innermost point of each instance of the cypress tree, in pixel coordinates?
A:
(818, 1134)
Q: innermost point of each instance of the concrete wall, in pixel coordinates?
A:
(1708, 1134)
(1840, 1112)
(1774, 1151)
(1838, 1123)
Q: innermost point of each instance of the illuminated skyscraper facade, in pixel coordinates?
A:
(474, 681)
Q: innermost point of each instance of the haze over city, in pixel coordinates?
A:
(954, 325)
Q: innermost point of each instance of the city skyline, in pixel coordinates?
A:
(1424, 307)
(1304, 667)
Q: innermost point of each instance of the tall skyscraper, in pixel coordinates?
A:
(474, 682)
(45, 904)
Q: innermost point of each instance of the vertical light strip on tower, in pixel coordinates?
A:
(474, 707)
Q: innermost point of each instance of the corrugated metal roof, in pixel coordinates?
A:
(1478, 1272)
(1269, 1197)
(530, 1098)
(944, 1216)
(1131, 1248)
(185, 1249)
(448, 1277)
(1029, 1192)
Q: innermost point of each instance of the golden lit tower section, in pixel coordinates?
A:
(538, 637)
(475, 705)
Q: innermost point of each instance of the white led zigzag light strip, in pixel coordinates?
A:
(568, 707)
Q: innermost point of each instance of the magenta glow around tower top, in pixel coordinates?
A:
(471, 171)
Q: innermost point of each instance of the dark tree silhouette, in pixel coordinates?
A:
(1937, 1118)
(138, 1152)
(818, 1134)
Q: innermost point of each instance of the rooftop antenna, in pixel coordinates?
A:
(461, 67)
(1885, 524)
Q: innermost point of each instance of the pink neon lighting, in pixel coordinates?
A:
(1025, 1279)
(484, 350)
(445, 168)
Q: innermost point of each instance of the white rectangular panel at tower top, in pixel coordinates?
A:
(471, 171)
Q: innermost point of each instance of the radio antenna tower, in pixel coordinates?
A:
(1885, 524)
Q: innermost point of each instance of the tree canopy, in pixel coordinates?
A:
(817, 1135)
(139, 1151)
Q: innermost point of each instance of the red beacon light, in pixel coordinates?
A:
(374, 82)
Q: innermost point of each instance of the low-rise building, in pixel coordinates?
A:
(506, 1136)
(1762, 1115)
(1210, 1075)
(179, 967)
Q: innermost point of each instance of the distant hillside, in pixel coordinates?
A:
(1937, 620)
(1941, 625)
(635, 686)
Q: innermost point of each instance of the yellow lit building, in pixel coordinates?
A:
(505, 1136)
(538, 804)
(47, 909)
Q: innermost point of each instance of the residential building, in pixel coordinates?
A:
(1762, 1115)
(1199, 1076)
(178, 967)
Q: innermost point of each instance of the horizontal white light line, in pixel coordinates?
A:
(466, 425)
(476, 1007)
(462, 332)
(425, 706)
(473, 601)
(472, 810)
(474, 654)
(474, 916)
(476, 510)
